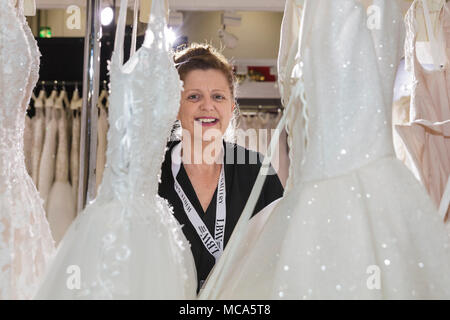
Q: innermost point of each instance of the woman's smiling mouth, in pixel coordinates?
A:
(207, 121)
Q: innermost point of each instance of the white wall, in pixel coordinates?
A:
(259, 32)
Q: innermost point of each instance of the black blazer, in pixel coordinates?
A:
(241, 170)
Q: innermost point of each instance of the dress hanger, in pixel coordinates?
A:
(63, 96)
(59, 101)
(77, 102)
(51, 99)
(103, 95)
(42, 95)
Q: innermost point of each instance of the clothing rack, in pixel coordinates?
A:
(63, 83)
(260, 109)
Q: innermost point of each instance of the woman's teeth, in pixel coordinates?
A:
(207, 120)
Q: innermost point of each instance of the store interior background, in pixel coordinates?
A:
(254, 57)
(258, 36)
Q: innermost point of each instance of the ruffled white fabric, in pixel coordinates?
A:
(26, 245)
(127, 244)
(355, 224)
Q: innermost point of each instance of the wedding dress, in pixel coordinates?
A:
(38, 136)
(75, 106)
(28, 142)
(48, 155)
(61, 203)
(48, 105)
(126, 244)
(26, 245)
(427, 137)
(102, 129)
(355, 224)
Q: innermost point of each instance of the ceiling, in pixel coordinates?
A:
(188, 5)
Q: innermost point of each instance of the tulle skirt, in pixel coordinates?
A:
(26, 244)
(370, 234)
(122, 249)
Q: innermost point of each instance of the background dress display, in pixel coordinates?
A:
(48, 155)
(126, 243)
(427, 136)
(75, 106)
(61, 203)
(28, 143)
(38, 136)
(356, 224)
(102, 129)
(26, 245)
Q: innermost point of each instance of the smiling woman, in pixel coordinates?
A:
(206, 180)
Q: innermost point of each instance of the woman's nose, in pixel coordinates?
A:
(207, 104)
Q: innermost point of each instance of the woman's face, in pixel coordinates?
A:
(206, 103)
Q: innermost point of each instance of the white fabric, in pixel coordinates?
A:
(102, 129)
(127, 244)
(48, 156)
(26, 245)
(38, 137)
(75, 145)
(61, 203)
(28, 143)
(75, 157)
(356, 215)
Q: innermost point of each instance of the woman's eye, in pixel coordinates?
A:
(193, 97)
(219, 97)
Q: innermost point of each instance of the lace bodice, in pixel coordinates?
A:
(26, 245)
(138, 115)
(349, 86)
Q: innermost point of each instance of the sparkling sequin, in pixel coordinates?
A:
(343, 115)
(26, 244)
(136, 227)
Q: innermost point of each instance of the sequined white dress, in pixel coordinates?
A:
(355, 224)
(126, 244)
(26, 245)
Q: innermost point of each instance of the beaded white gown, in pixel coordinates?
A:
(127, 244)
(26, 245)
(355, 224)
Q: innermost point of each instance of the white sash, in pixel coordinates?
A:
(214, 245)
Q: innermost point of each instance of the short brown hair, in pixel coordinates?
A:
(204, 57)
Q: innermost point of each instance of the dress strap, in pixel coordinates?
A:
(120, 32)
(134, 35)
(157, 22)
